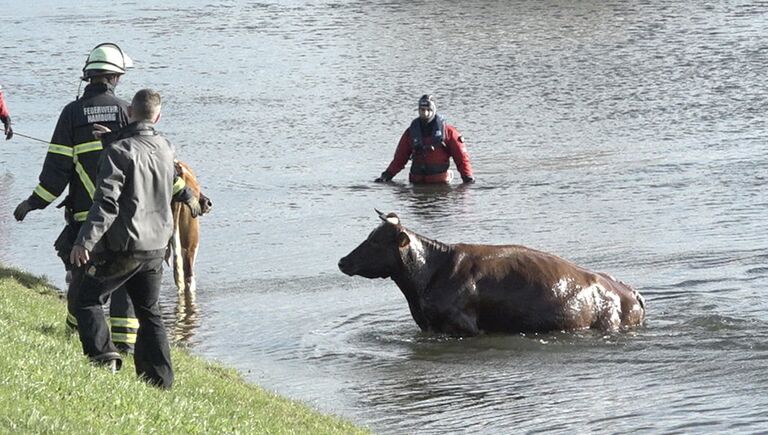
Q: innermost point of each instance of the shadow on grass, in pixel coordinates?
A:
(32, 282)
(59, 330)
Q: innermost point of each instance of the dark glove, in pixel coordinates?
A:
(467, 179)
(385, 176)
(21, 210)
(194, 206)
(8, 130)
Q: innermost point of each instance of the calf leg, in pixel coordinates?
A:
(189, 239)
(176, 249)
(189, 254)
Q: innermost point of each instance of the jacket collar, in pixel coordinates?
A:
(137, 128)
(98, 88)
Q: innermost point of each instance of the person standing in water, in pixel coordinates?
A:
(430, 142)
(5, 117)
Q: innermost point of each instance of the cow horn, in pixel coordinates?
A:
(391, 217)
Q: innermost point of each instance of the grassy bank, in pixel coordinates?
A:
(47, 385)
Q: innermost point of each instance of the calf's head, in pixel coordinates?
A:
(205, 203)
(379, 255)
(190, 180)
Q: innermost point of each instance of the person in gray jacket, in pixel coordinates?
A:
(123, 241)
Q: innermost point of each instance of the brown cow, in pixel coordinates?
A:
(186, 233)
(465, 289)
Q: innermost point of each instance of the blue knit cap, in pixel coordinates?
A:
(428, 101)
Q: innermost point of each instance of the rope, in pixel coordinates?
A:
(16, 133)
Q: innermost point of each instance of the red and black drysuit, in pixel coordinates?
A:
(5, 117)
(430, 145)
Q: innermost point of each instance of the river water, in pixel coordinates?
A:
(628, 137)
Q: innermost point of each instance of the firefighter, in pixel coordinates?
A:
(72, 159)
(430, 142)
(5, 117)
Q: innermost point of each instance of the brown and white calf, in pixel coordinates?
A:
(465, 289)
(186, 233)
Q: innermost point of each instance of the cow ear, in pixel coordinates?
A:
(403, 240)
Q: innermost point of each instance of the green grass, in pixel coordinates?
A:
(48, 386)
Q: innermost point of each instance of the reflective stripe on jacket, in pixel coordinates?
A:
(73, 154)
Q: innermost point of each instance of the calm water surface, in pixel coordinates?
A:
(628, 137)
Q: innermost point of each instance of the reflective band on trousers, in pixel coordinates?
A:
(123, 337)
(125, 322)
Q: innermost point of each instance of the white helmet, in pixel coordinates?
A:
(106, 58)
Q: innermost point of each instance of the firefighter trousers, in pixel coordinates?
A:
(141, 278)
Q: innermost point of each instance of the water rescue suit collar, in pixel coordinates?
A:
(437, 134)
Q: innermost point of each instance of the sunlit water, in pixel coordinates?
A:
(626, 136)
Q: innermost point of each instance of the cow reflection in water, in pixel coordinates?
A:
(464, 289)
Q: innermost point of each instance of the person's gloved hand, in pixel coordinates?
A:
(21, 210)
(384, 177)
(194, 206)
(467, 179)
(8, 130)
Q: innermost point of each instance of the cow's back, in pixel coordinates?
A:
(518, 289)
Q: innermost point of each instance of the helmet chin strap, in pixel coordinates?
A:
(112, 79)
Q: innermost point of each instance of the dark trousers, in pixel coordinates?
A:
(141, 278)
(121, 316)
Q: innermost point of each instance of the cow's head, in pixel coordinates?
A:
(205, 203)
(190, 180)
(379, 256)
